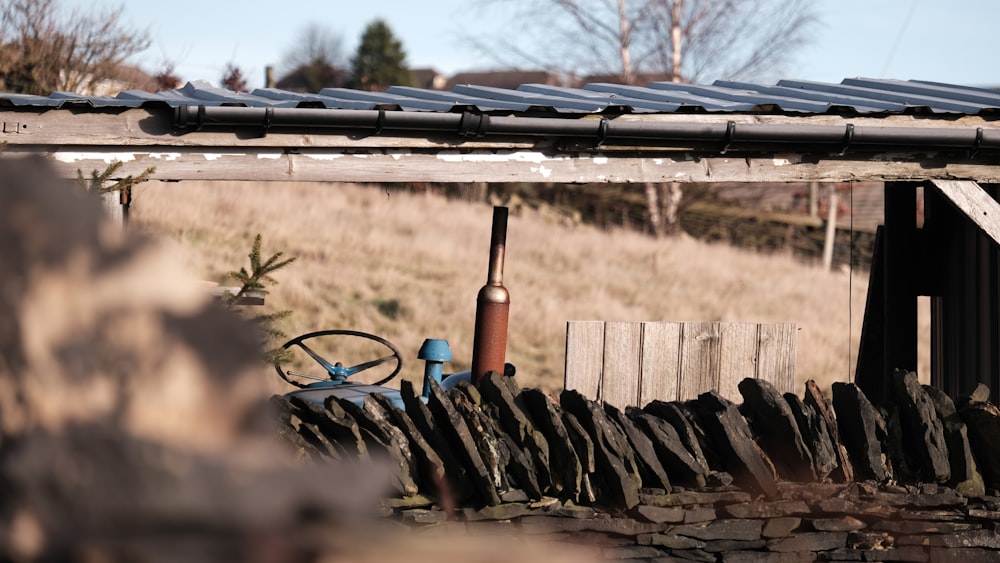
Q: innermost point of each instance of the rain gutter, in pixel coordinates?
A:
(600, 131)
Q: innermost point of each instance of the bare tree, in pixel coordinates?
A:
(687, 40)
(635, 41)
(43, 49)
(315, 61)
(233, 79)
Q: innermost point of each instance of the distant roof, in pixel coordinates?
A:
(851, 96)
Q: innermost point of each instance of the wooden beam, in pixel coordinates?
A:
(974, 203)
(391, 165)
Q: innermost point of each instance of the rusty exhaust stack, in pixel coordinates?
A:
(489, 348)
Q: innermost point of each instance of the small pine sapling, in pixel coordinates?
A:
(255, 281)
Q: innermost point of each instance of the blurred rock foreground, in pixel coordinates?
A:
(131, 418)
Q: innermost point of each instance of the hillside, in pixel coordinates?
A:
(408, 267)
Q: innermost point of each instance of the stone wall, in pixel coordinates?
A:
(776, 478)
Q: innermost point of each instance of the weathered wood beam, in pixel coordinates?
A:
(972, 201)
(390, 165)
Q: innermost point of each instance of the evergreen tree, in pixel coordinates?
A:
(380, 61)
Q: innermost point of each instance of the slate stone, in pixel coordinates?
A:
(380, 411)
(660, 514)
(862, 430)
(621, 486)
(678, 462)
(746, 530)
(842, 524)
(809, 541)
(458, 482)
(393, 443)
(336, 425)
(780, 527)
(815, 434)
(492, 449)
(699, 555)
(631, 552)
(810, 493)
(430, 467)
(965, 476)
(688, 498)
(697, 515)
(673, 414)
(505, 511)
(727, 546)
(965, 555)
(732, 439)
(520, 468)
(424, 516)
(905, 553)
(897, 462)
(457, 432)
(923, 433)
(773, 422)
(981, 394)
(989, 539)
(856, 508)
(570, 510)
(815, 398)
(914, 527)
(718, 479)
(566, 470)
(651, 471)
(620, 526)
(764, 557)
(766, 509)
(518, 425)
(672, 541)
(983, 423)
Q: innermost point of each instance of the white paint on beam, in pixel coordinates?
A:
(518, 156)
(269, 155)
(106, 157)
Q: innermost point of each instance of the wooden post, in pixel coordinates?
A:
(116, 208)
(901, 246)
(831, 230)
(814, 200)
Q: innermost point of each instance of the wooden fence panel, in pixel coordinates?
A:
(622, 353)
(737, 357)
(776, 355)
(584, 357)
(661, 362)
(632, 363)
(699, 359)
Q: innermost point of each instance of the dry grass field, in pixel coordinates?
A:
(408, 267)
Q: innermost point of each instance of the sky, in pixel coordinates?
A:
(951, 41)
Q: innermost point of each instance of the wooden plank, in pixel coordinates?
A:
(974, 203)
(403, 165)
(660, 371)
(737, 357)
(699, 359)
(584, 357)
(622, 357)
(776, 350)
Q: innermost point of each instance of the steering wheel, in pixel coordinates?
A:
(337, 371)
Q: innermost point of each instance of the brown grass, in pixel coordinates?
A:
(408, 267)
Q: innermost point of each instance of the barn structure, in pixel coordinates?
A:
(943, 140)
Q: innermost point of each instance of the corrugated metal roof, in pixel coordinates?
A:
(854, 95)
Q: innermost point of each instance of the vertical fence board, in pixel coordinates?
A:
(659, 378)
(776, 355)
(584, 357)
(699, 359)
(620, 382)
(632, 363)
(737, 357)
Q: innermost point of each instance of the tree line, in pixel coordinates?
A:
(45, 48)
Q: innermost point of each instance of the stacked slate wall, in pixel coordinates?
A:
(775, 478)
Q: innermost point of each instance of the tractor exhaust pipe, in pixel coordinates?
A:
(489, 348)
